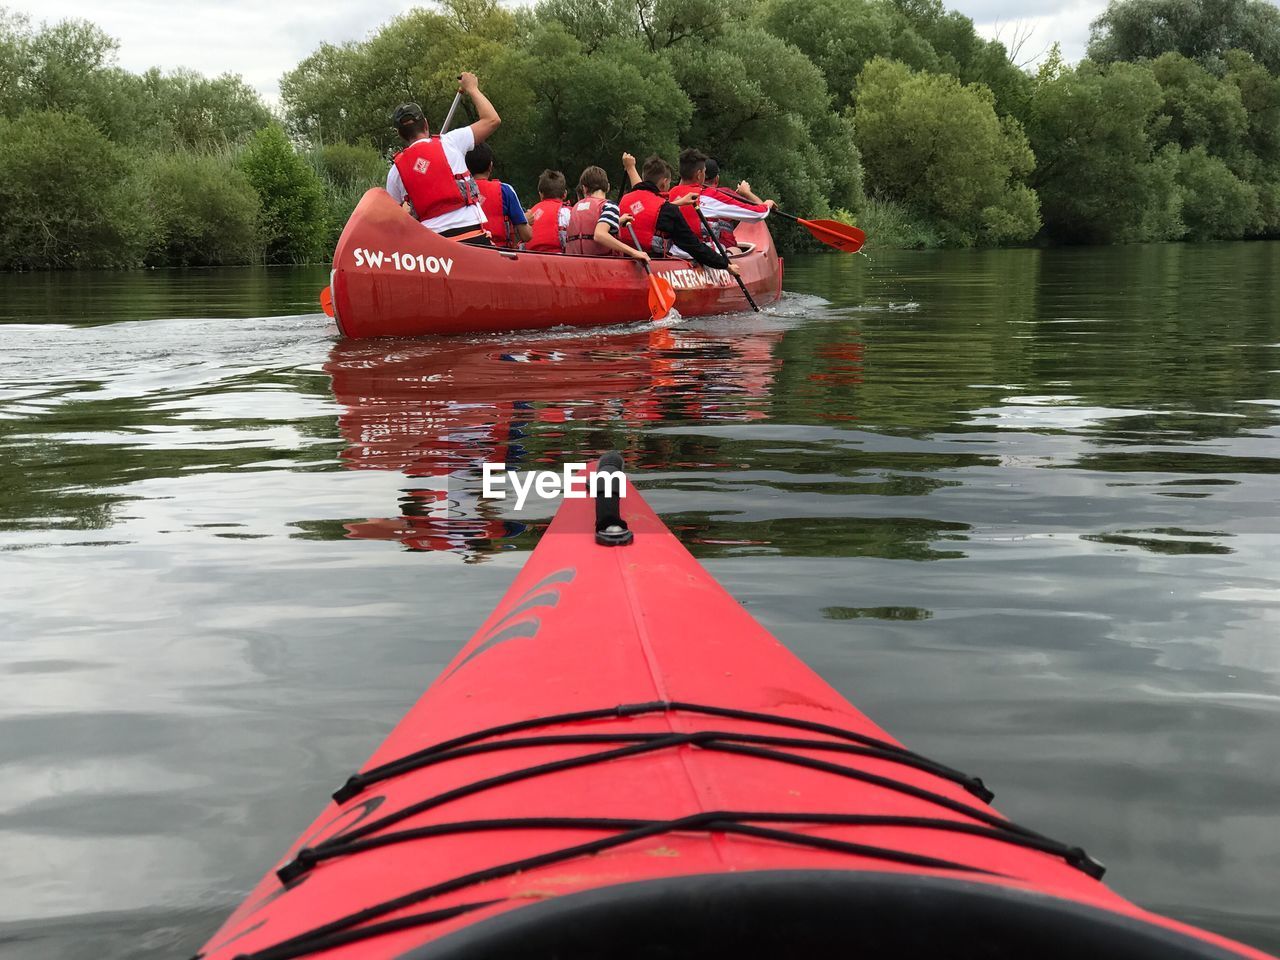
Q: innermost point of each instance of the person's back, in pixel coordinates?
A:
(644, 204)
(430, 174)
(549, 217)
(504, 217)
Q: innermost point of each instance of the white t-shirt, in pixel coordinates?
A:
(456, 143)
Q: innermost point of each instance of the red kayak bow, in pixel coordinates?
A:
(622, 763)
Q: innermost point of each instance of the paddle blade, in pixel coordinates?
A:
(326, 301)
(662, 296)
(836, 234)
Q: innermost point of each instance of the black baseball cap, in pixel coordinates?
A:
(406, 114)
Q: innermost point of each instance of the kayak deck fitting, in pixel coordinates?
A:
(623, 763)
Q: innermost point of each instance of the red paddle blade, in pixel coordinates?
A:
(836, 234)
(662, 297)
(326, 301)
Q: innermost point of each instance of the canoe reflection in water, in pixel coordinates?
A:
(438, 410)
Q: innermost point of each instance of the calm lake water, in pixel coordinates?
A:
(1019, 506)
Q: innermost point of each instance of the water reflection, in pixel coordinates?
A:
(437, 411)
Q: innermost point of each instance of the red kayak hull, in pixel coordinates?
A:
(394, 278)
(480, 845)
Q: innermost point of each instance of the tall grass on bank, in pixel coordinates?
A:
(890, 225)
(346, 172)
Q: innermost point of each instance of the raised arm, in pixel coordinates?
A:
(629, 165)
(488, 120)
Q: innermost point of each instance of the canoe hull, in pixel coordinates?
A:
(394, 278)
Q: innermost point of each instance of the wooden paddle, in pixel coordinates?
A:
(720, 249)
(662, 296)
(833, 233)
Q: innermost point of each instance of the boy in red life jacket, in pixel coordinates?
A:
(503, 213)
(431, 172)
(549, 217)
(660, 225)
(725, 209)
(693, 172)
(594, 221)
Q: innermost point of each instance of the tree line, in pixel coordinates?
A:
(894, 114)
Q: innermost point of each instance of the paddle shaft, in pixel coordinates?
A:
(719, 249)
(636, 240)
(448, 117)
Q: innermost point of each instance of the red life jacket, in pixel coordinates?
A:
(495, 220)
(433, 188)
(544, 219)
(690, 212)
(582, 229)
(645, 205)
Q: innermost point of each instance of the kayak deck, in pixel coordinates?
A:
(622, 762)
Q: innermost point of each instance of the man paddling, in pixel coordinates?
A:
(660, 226)
(431, 172)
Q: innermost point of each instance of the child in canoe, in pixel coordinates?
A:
(549, 217)
(502, 209)
(594, 221)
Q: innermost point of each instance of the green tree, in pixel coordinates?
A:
(1216, 204)
(937, 144)
(1260, 96)
(293, 223)
(573, 109)
(68, 195)
(842, 36)
(204, 209)
(15, 61)
(202, 113)
(762, 108)
(1202, 110)
(1091, 130)
(347, 92)
(964, 54)
(1203, 30)
(70, 67)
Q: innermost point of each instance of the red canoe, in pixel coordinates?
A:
(394, 278)
(622, 763)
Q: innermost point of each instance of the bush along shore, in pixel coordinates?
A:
(893, 114)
